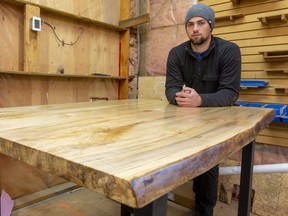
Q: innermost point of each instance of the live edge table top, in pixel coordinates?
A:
(132, 151)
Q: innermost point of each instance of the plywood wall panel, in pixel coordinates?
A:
(152, 87)
(11, 37)
(23, 90)
(101, 10)
(95, 51)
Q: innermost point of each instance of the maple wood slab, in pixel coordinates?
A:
(132, 151)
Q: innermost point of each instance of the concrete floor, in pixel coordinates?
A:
(82, 202)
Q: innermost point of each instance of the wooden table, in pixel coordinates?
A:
(132, 151)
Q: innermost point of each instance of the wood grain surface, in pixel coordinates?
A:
(132, 151)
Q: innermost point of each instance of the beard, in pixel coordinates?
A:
(199, 41)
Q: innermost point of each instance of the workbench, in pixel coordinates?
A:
(132, 151)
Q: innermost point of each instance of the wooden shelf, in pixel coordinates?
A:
(229, 17)
(275, 55)
(276, 70)
(69, 15)
(279, 17)
(32, 50)
(282, 87)
(97, 76)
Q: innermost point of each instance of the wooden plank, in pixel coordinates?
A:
(31, 40)
(231, 17)
(152, 88)
(248, 6)
(257, 49)
(11, 37)
(135, 21)
(263, 75)
(262, 98)
(269, 91)
(96, 76)
(110, 152)
(267, 19)
(261, 42)
(64, 14)
(281, 132)
(124, 50)
(282, 87)
(144, 8)
(277, 141)
(264, 66)
(276, 70)
(253, 33)
(280, 55)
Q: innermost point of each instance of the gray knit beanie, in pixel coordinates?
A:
(201, 10)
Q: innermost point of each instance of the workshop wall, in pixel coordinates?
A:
(97, 9)
(64, 45)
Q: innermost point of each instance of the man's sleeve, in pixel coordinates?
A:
(174, 81)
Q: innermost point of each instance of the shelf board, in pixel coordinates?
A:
(276, 70)
(90, 76)
(229, 17)
(128, 23)
(275, 55)
(282, 87)
(279, 17)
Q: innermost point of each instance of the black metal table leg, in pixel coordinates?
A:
(156, 208)
(246, 179)
(126, 210)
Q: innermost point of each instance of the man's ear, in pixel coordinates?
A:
(210, 23)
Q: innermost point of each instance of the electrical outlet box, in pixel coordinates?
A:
(36, 23)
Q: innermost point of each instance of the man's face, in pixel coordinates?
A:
(198, 30)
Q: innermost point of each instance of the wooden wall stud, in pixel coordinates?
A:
(31, 40)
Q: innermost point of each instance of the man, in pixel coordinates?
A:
(203, 72)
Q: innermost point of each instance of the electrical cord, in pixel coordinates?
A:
(62, 41)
